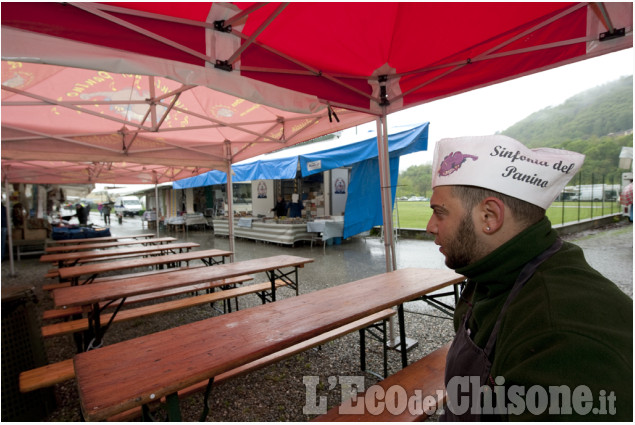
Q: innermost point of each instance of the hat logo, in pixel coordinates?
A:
(453, 161)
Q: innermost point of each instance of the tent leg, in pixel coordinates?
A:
(9, 230)
(386, 194)
(230, 201)
(156, 206)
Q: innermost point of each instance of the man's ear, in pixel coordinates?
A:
(491, 214)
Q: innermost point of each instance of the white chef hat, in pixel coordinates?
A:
(504, 165)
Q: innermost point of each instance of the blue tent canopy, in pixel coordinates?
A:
(402, 143)
(363, 204)
(278, 168)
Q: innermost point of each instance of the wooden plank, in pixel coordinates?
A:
(96, 253)
(426, 376)
(100, 239)
(68, 273)
(65, 312)
(55, 373)
(132, 373)
(104, 245)
(98, 292)
(46, 376)
(79, 325)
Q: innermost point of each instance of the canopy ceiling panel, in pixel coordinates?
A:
(61, 113)
(361, 56)
(63, 172)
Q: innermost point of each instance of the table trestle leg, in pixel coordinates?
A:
(378, 332)
(402, 336)
(208, 390)
(290, 278)
(96, 331)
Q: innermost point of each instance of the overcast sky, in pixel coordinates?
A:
(495, 108)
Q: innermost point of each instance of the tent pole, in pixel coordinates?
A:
(388, 192)
(230, 200)
(384, 174)
(9, 229)
(156, 205)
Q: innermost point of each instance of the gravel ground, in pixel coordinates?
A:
(277, 392)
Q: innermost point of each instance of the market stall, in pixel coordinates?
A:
(286, 231)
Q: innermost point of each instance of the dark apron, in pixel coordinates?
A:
(465, 358)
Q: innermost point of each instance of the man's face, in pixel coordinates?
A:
(453, 228)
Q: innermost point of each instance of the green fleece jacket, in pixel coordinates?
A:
(569, 325)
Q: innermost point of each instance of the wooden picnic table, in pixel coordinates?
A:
(105, 245)
(133, 373)
(90, 296)
(101, 239)
(69, 259)
(91, 271)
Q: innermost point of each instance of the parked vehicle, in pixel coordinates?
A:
(595, 192)
(128, 206)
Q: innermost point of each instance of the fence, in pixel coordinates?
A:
(588, 196)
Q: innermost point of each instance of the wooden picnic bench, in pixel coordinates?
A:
(83, 324)
(90, 297)
(99, 239)
(67, 283)
(56, 373)
(69, 259)
(422, 381)
(105, 245)
(133, 373)
(209, 257)
(61, 313)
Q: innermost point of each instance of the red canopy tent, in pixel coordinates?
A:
(374, 58)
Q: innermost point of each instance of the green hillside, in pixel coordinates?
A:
(596, 122)
(595, 113)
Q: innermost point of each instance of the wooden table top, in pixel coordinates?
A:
(96, 253)
(67, 273)
(121, 376)
(102, 239)
(103, 245)
(84, 295)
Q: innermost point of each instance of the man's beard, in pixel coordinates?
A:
(463, 249)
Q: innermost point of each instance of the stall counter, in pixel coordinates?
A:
(269, 231)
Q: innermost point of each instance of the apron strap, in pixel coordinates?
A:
(526, 273)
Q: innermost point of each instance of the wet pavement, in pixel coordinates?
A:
(609, 250)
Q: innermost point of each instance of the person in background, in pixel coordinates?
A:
(280, 209)
(626, 199)
(105, 210)
(87, 213)
(80, 213)
(534, 316)
(295, 206)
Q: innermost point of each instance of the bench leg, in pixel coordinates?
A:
(174, 410)
(402, 336)
(382, 337)
(362, 349)
(208, 390)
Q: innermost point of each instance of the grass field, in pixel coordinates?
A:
(415, 215)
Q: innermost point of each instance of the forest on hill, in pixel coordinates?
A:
(596, 123)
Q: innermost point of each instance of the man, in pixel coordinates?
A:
(80, 212)
(280, 209)
(539, 333)
(106, 212)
